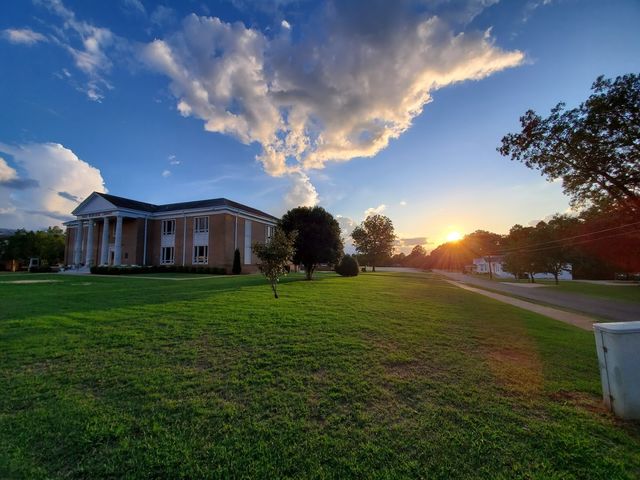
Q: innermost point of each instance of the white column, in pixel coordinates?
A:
(104, 252)
(77, 248)
(117, 257)
(89, 256)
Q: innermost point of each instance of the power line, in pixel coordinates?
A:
(524, 249)
(509, 250)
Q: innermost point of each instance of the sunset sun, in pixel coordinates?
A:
(454, 236)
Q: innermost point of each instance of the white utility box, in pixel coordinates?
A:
(618, 346)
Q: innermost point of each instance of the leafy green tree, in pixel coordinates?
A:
(275, 256)
(348, 267)
(318, 237)
(553, 251)
(417, 257)
(593, 148)
(374, 238)
(517, 260)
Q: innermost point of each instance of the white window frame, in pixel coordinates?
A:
(201, 225)
(172, 259)
(247, 241)
(268, 233)
(200, 259)
(165, 224)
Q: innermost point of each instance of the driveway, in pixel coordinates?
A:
(603, 308)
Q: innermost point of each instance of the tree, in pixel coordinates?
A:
(517, 260)
(237, 265)
(482, 243)
(593, 148)
(348, 267)
(374, 238)
(275, 256)
(318, 237)
(552, 252)
(416, 258)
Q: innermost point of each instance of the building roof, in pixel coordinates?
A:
(122, 202)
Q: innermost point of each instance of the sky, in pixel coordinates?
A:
(358, 106)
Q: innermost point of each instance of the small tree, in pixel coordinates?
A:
(275, 256)
(348, 267)
(237, 266)
(374, 238)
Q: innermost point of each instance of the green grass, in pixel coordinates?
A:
(615, 292)
(377, 376)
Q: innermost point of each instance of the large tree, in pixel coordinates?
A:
(594, 148)
(318, 237)
(374, 238)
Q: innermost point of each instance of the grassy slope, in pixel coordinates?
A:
(380, 376)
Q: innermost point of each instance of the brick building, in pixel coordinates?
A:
(111, 230)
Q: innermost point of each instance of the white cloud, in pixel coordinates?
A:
(166, 173)
(375, 210)
(286, 25)
(302, 193)
(50, 177)
(88, 46)
(346, 227)
(24, 36)
(335, 93)
(403, 203)
(6, 172)
(135, 6)
(173, 160)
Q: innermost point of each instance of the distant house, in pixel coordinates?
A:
(110, 230)
(481, 265)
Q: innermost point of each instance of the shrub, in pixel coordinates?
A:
(237, 266)
(348, 266)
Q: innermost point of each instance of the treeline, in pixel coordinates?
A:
(597, 244)
(47, 245)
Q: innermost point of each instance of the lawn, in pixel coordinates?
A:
(625, 293)
(378, 376)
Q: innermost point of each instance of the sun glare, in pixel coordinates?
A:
(454, 236)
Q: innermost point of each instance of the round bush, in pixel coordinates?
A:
(348, 267)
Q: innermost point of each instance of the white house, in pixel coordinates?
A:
(481, 265)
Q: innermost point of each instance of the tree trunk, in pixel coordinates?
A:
(555, 275)
(275, 290)
(373, 267)
(490, 272)
(308, 271)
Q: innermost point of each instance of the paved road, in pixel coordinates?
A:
(613, 310)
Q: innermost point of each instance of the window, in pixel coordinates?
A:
(168, 227)
(247, 242)
(268, 233)
(200, 254)
(167, 255)
(201, 225)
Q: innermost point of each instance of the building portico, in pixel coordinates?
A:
(110, 230)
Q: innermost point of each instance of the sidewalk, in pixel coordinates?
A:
(575, 319)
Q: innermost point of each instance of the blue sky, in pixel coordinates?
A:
(395, 107)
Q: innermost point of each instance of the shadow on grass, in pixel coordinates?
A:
(76, 294)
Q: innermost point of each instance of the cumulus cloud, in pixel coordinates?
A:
(173, 160)
(375, 210)
(60, 179)
(286, 25)
(403, 203)
(302, 192)
(166, 173)
(353, 82)
(7, 173)
(24, 36)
